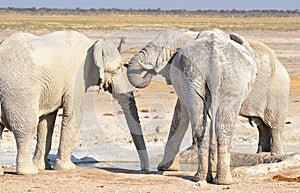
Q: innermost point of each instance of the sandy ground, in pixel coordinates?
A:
(106, 157)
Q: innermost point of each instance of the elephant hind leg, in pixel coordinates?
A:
(24, 155)
(197, 114)
(225, 120)
(23, 125)
(67, 137)
(44, 139)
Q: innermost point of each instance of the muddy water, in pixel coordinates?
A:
(133, 165)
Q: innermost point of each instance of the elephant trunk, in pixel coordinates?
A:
(140, 67)
(171, 47)
(128, 105)
(155, 55)
(138, 76)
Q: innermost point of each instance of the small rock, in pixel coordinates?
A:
(201, 183)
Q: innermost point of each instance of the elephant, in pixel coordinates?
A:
(265, 104)
(40, 74)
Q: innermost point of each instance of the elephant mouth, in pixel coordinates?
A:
(107, 87)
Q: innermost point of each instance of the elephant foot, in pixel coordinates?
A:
(198, 177)
(47, 165)
(210, 178)
(64, 165)
(145, 169)
(41, 164)
(172, 165)
(28, 169)
(223, 180)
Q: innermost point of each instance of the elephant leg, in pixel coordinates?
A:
(264, 143)
(205, 112)
(198, 123)
(225, 120)
(67, 137)
(276, 140)
(1, 130)
(178, 128)
(44, 140)
(176, 119)
(23, 135)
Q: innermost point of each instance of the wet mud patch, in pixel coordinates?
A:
(237, 159)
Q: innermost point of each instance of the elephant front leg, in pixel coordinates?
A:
(276, 140)
(178, 128)
(44, 140)
(67, 139)
(269, 138)
(264, 143)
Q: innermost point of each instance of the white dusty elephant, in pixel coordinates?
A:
(207, 75)
(40, 74)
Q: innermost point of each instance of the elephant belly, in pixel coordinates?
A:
(50, 102)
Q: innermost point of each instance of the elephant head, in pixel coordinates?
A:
(241, 40)
(111, 71)
(155, 55)
(113, 78)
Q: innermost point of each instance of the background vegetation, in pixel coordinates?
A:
(54, 19)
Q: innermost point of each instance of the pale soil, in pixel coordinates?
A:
(104, 137)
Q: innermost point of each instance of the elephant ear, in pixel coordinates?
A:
(241, 40)
(98, 57)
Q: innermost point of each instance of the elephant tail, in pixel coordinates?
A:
(1, 124)
(0, 109)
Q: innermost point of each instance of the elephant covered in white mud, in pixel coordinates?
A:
(40, 74)
(220, 76)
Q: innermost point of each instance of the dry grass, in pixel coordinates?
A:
(25, 21)
(295, 85)
(16, 21)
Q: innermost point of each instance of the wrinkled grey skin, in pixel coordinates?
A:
(269, 93)
(266, 106)
(142, 66)
(40, 74)
(215, 74)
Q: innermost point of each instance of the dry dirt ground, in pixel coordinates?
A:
(104, 137)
